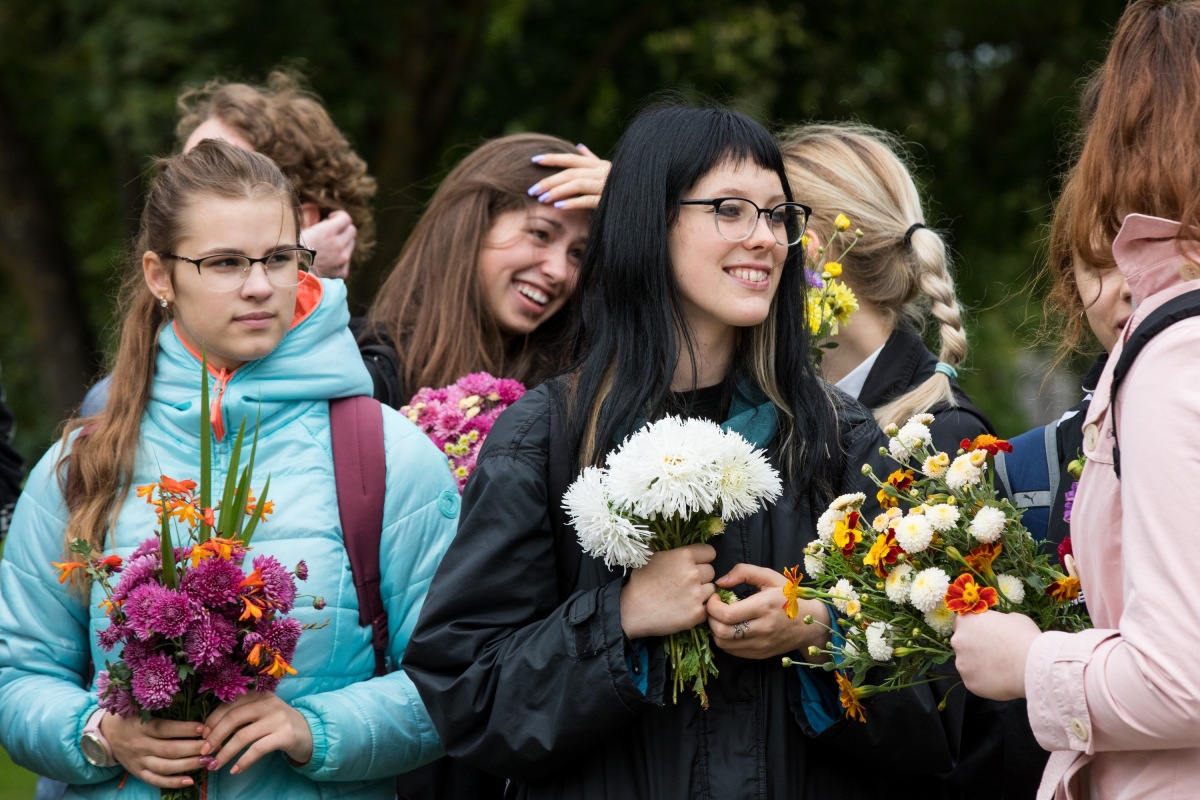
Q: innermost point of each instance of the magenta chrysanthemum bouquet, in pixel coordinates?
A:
(196, 625)
(459, 417)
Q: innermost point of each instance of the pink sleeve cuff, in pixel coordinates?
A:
(1054, 688)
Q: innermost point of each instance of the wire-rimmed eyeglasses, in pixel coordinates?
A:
(225, 272)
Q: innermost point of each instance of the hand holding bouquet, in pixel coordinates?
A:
(458, 417)
(196, 630)
(673, 483)
(898, 583)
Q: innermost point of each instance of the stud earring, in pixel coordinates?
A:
(163, 302)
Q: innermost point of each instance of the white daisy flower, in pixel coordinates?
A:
(942, 517)
(813, 565)
(935, 466)
(827, 522)
(922, 419)
(913, 533)
(963, 473)
(1011, 587)
(899, 581)
(850, 649)
(843, 593)
(928, 588)
(988, 524)
(898, 451)
(941, 619)
(914, 435)
(851, 501)
(877, 641)
(853, 607)
(747, 480)
(602, 531)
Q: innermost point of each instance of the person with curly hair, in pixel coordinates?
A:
(286, 121)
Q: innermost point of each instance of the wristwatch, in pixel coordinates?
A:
(93, 744)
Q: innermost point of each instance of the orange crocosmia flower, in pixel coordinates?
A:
(186, 513)
(901, 480)
(980, 559)
(172, 486)
(791, 591)
(848, 696)
(224, 549)
(965, 596)
(107, 605)
(66, 568)
(111, 562)
(209, 517)
(846, 534)
(883, 552)
(986, 442)
(268, 507)
(147, 492)
(277, 667)
(1064, 589)
(251, 609)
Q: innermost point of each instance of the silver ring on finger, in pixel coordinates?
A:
(737, 630)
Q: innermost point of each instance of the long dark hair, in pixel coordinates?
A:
(631, 326)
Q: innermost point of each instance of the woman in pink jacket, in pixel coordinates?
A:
(1120, 705)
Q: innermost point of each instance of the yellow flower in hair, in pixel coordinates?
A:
(833, 268)
(842, 222)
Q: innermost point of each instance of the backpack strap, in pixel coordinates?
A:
(567, 552)
(360, 472)
(1174, 310)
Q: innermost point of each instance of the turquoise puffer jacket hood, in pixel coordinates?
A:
(365, 729)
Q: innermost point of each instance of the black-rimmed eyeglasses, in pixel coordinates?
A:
(225, 272)
(736, 218)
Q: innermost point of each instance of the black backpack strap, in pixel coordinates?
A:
(568, 555)
(1174, 310)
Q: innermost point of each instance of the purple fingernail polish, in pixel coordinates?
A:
(543, 197)
(580, 146)
(561, 204)
(535, 190)
(537, 159)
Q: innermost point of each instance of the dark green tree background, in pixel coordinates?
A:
(984, 91)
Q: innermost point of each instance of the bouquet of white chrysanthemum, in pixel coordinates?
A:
(898, 583)
(674, 483)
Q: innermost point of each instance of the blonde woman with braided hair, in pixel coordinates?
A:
(900, 273)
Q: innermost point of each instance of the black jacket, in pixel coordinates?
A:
(10, 468)
(382, 362)
(537, 689)
(904, 364)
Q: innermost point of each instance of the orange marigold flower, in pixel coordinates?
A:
(965, 596)
(986, 442)
(883, 552)
(1064, 590)
(147, 492)
(846, 534)
(791, 591)
(66, 568)
(901, 480)
(980, 559)
(849, 698)
(172, 486)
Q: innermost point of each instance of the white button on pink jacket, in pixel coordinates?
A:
(1120, 704)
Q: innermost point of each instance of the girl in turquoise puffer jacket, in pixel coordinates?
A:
(277, 345)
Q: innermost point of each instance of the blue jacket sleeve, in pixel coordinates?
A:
(380, 727)
(44, 636)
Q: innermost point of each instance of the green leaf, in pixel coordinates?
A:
(257, 515)
(225, 525)
(170, 579)
(239, 502)
(205, 445)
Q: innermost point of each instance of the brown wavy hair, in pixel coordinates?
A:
(96, 470)
(431, 306)
(286, 121)
(1141, 114)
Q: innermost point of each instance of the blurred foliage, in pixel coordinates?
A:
(984, 92)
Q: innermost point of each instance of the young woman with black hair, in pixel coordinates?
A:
(549, 668)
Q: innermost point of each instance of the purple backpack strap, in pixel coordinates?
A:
(360, 471)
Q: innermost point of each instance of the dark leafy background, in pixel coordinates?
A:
(984, 91)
